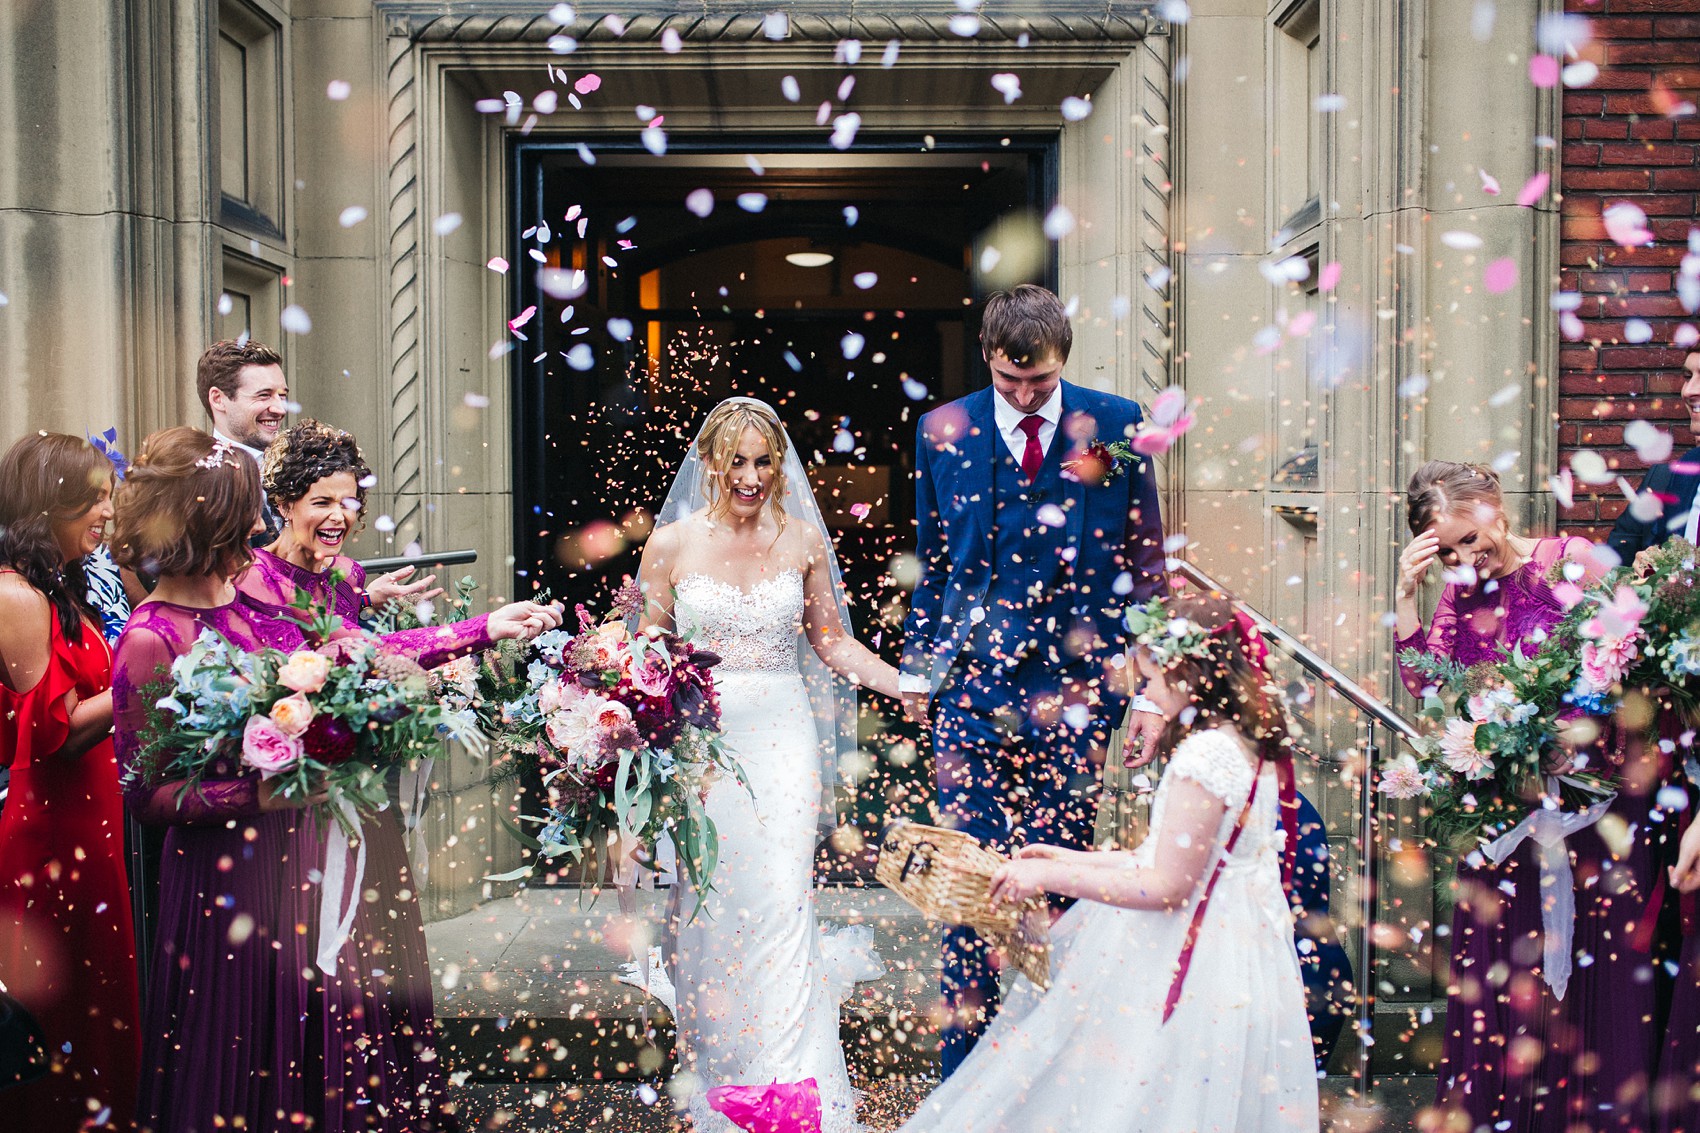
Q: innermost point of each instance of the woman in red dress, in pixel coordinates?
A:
(67, 948)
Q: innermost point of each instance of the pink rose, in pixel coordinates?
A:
(613, 716)
(267, 749)
(292, 714)
(652, 678)
(609, 646)
(305, 671)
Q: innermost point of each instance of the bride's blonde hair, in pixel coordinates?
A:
(717, 444)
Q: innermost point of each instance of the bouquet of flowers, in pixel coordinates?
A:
(1483, 768)
(332, 717)
(624, 727)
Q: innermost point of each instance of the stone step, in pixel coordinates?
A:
(526, 988)
(625, 1108)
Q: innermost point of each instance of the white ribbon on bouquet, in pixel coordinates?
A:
(338, 901)
(415, 793)
(1549, 829)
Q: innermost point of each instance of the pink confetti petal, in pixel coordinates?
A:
(1490, 183)
(588, 83)
(1301, 324)
(860, 511)
(498, 264)
(1329, 277)
(522, 318)
(1627, 225)
(1543, 71)
(1534, 189)
(1500, 276)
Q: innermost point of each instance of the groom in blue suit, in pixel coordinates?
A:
(1032, 541)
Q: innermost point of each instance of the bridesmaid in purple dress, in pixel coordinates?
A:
(238, 1033)
(314, 476)
(1515, 1055)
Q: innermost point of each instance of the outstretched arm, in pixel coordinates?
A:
(1189, 840)
(830, 638)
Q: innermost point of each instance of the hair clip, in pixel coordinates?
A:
(107, 445)
(216, 458)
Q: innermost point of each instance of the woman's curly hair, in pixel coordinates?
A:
(306, 453)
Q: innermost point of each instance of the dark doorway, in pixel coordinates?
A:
(840, 288)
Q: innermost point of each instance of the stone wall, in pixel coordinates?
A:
(1622, 143)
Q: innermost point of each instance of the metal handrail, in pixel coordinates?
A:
(396, 562)
(1306, 658)
(1369, 882)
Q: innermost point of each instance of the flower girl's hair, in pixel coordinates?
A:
(717, 444)
(1227, 683)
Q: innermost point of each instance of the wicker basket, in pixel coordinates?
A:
(948, 875)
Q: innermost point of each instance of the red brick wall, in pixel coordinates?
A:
(1621, 144)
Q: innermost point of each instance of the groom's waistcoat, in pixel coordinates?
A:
(1029, 595)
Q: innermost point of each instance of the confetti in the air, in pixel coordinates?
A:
(498, 265)
(1500, 276)
(1008, 84)
(1490, 183)
(1329, 277)
(338, 90)
(1534, 189)
(1076, 109)
(1463, 241)
(1637, 331)
(1170, 420)
(295, 320)
(789, 88)
(752, 202)
(351, 216)
(588, 83)
(1543, 71)
(1626, 224)
(581, 357)
(844, 129)
(446, 223)
(851, 345)
(865, 279)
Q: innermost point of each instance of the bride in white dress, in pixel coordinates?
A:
(1095, 1052)
(742, 560)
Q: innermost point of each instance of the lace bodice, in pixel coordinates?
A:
(1215, 762)
(754, 630)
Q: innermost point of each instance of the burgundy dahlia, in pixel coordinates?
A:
(328, 740)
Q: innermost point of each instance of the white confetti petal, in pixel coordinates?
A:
(338, 90)
(351, 216)
(1059, 223)
(789, 88)
(476, 400)
(546, 102)
(1582, 74)
(562, 14)
(446, 223)
(670, 41)
(776, 25)
(914, 389)
(1463, 241)
(655, 140)
(384, 523)
(620, 329)
(967, 26)
(1590, 467)
(295, 320)
(852, 344)
(1075, 109)
(1637, 331)
(581, 357)
(865, 279)
(752, 202)
(700, 201)
(1007, 84)
(562, 283)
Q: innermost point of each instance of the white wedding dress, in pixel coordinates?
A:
(1093, 1053)
(758, 984)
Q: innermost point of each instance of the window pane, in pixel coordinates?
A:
(233, 117)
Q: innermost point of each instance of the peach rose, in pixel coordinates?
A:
(292, 714)
(305, 671)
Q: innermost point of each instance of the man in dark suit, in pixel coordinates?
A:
(1672, 483)
(1033, 540)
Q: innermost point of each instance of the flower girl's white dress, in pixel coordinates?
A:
(1093, 1053)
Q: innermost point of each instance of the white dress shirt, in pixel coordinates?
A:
(1009, 418)
(258, 455)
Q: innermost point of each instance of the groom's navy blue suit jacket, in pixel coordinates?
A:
(1111, 529)
(1676, 489)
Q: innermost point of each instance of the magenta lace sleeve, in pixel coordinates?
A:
(140, 660)
(1437, 640)
(431, 646)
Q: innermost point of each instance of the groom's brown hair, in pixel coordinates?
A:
(1027, 323)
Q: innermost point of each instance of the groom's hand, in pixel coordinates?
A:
(915, 708)
(1144, 729)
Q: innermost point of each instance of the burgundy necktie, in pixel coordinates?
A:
(1033, 456)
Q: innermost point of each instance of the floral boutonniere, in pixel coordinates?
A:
(1100, 463)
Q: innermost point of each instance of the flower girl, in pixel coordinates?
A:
(1175, 1003)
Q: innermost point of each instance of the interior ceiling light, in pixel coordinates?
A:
(809, 259)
